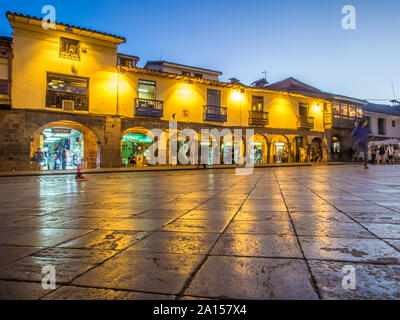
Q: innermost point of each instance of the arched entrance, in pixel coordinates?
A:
(232, 149)
(135, 143)
(336, 148)
(64, 145)
(300, 149)
(316, 152)
(259, 149)
(279, 149)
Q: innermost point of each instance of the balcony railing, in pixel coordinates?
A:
(4, 87)
(258, 118)
(215, 113)
(343, 122)
(149, 108)
(306, 123)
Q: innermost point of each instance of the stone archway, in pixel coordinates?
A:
(299, 148)
(135, 141)
(336, 148)
(280, 150)
(260, 148)
(316, 150)
(91, 148)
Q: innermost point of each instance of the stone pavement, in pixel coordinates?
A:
(280, 233)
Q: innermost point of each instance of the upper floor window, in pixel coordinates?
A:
(359, 112)
(336, 110)
(70, 49)
(257, 103)
(186, 73)
(381, 126)
(213, 97)
(352, 111)
(198, 75)
(126, 62)
(345, 111)
(68, 93)
(147, 89)
(303, 110)
(393, 124)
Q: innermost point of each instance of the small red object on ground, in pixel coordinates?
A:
(79, 176)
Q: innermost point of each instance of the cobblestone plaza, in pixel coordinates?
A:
(280, 233)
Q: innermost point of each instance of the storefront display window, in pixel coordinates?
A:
(62, 148)
(280, 152)
(134, 149)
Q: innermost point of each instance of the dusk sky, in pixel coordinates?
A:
(302, 38)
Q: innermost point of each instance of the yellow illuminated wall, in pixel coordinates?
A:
(36, 52)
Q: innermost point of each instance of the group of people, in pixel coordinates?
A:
(361, 141)
(382, 153)
(336, 152)
(53, 161)
(135, 161)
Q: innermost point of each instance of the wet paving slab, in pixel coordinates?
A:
(282, 233)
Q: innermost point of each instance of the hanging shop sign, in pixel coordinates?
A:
(137, 138)
(61, 130)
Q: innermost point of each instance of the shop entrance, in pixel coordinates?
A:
(62, 148)
(316, 150)
(336, 149)
(258, 149)
(280, 152)
(134, 151)
(64, 145)
(300, 150)
(230, 152)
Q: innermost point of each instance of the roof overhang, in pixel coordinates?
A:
(16, 18)
(183, 67)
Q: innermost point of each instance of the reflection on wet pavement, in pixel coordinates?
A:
(282, 233)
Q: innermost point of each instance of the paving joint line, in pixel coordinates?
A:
(314, 282)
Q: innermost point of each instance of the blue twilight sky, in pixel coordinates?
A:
(299, 38)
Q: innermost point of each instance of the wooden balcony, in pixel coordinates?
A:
(149, 108)
(306, 123)
(4, 87)
(339, 122)
(215, 113)
(258, 118)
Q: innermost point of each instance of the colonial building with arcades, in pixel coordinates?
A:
(69, 88)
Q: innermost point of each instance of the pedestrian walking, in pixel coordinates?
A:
(390, 152)
(361, 139)
(64, 158)
(382, 152)
(38, 158)
(373, 152)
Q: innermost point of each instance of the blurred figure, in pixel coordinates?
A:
(382, 154)
(361, 138)
(51, 161)
(303, 154)
(132, 160)
(64, 158)
(38, 158)
(390, 152)
(373, 152)
(79, 175)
